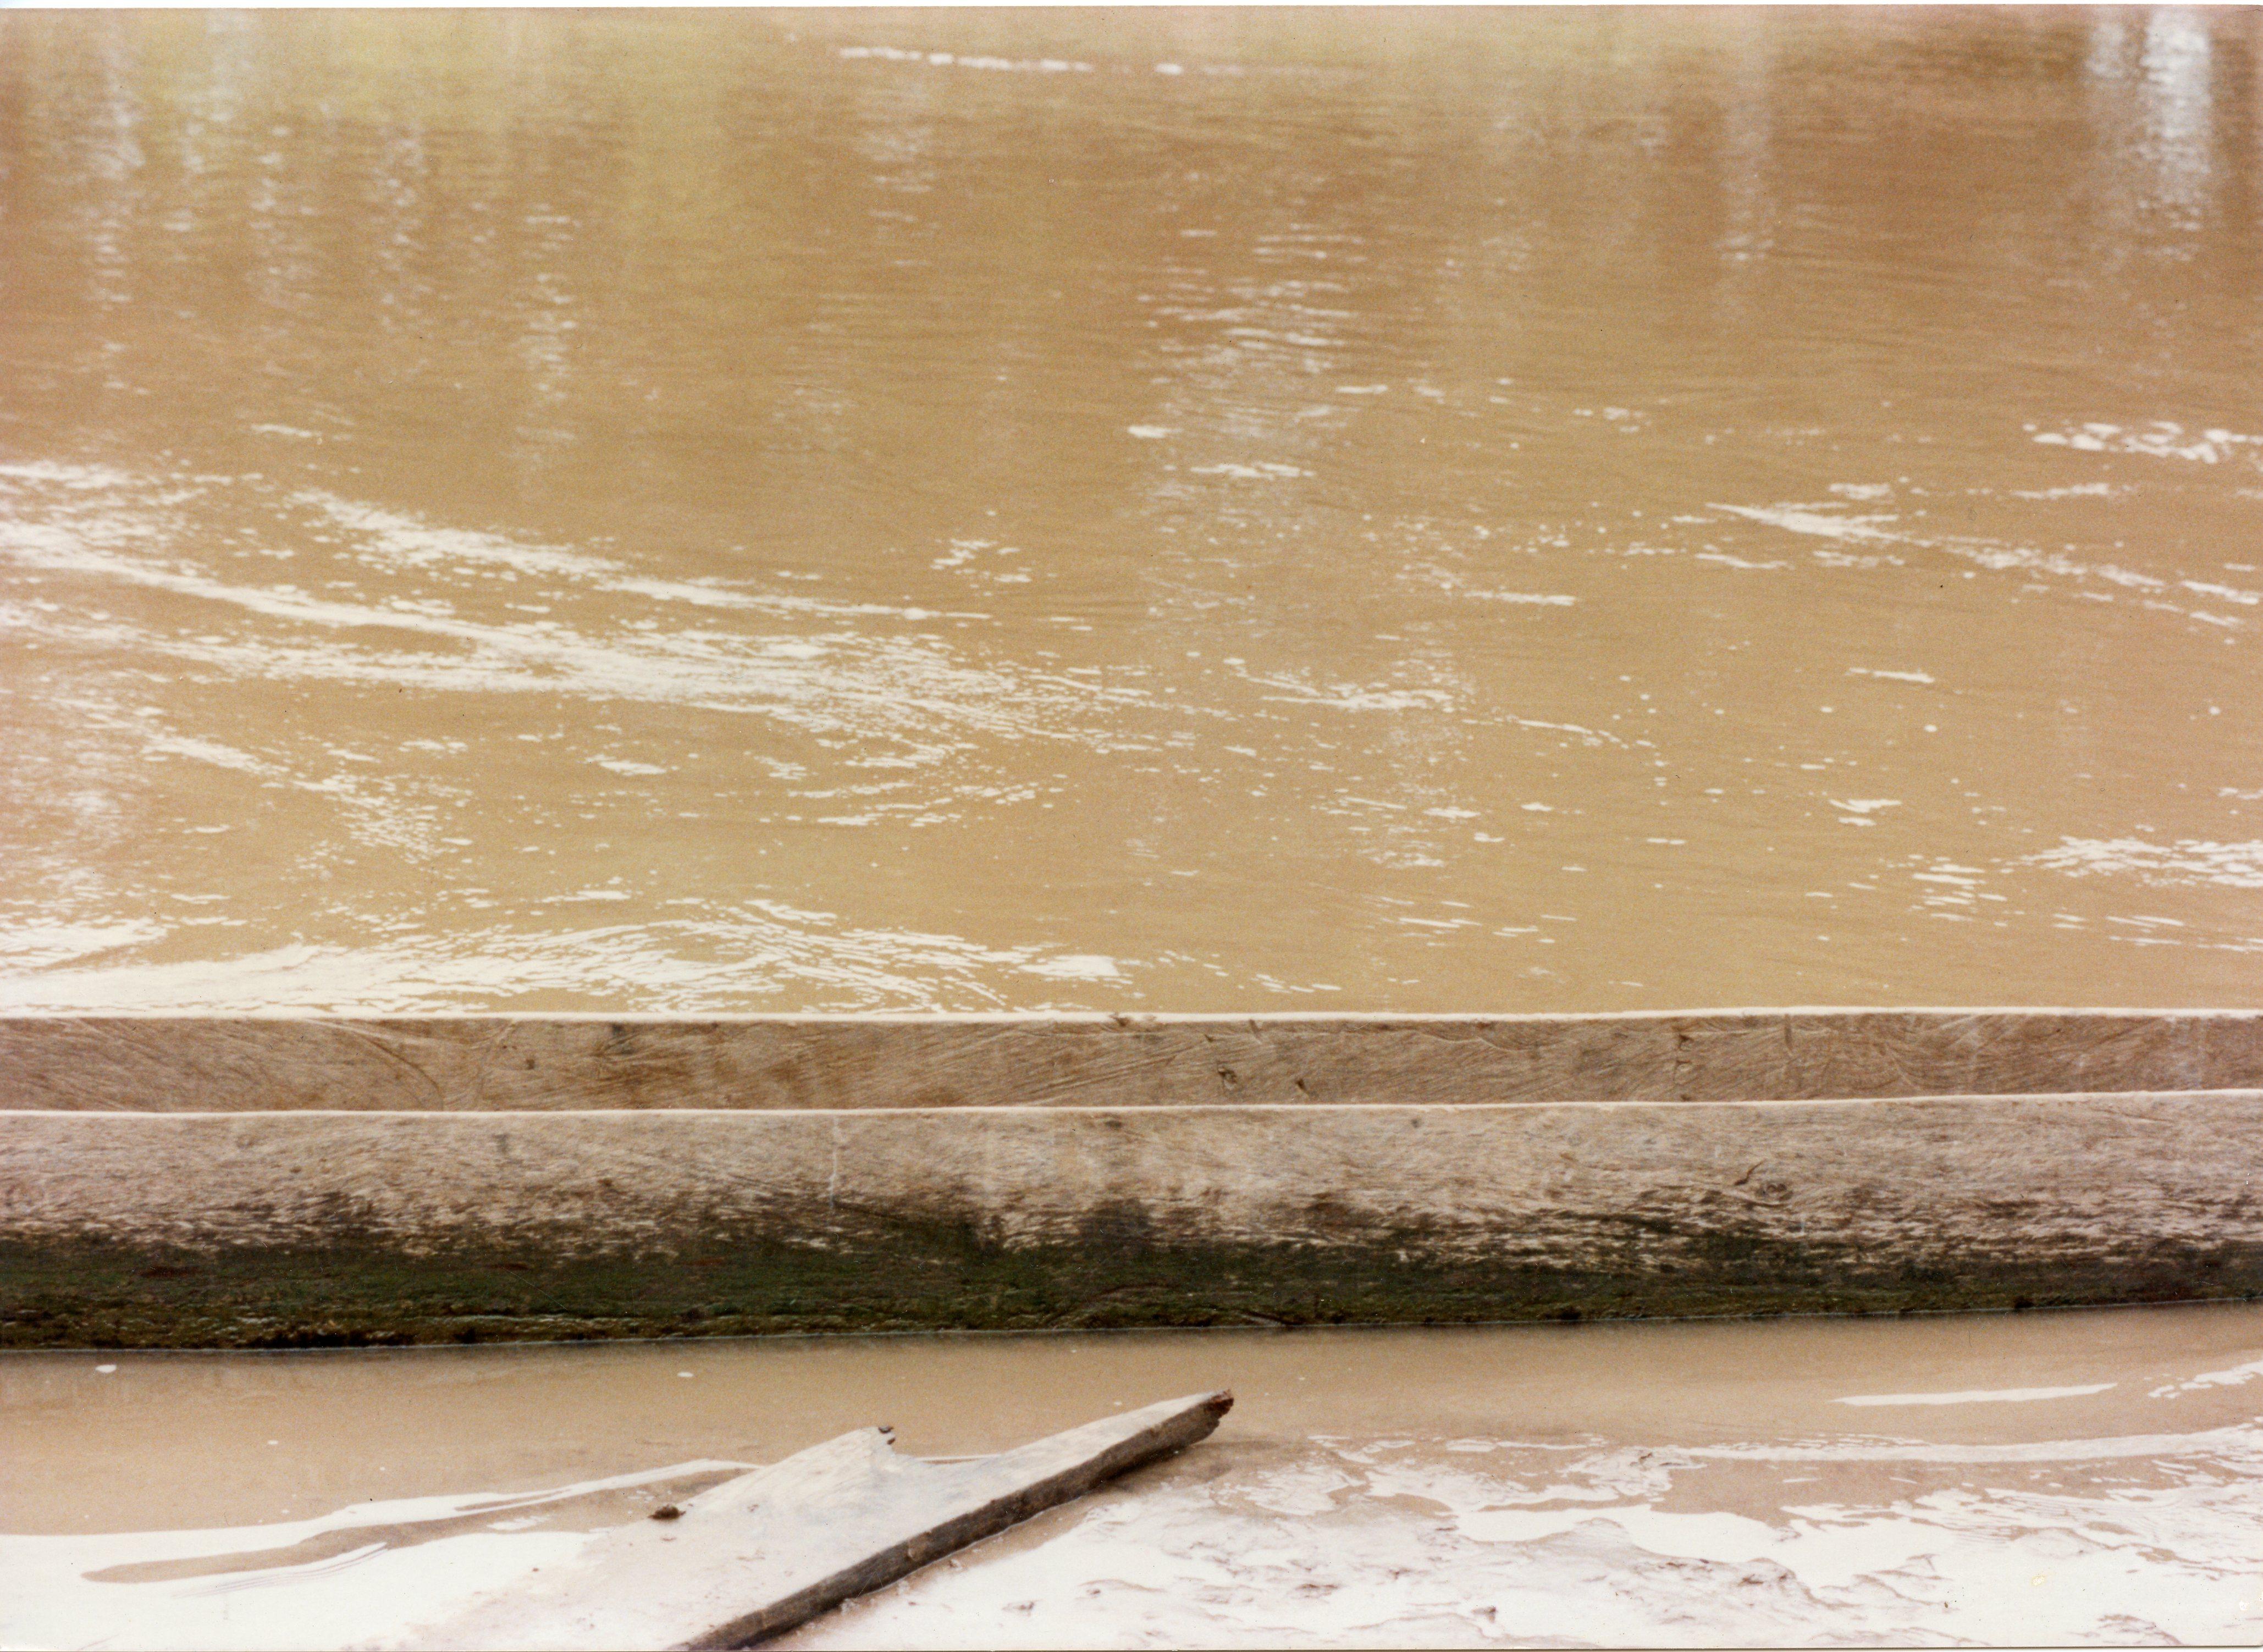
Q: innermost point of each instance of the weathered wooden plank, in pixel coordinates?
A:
(2019, 1171)
(758, 1555)
(778, 1220)
(196, 1063)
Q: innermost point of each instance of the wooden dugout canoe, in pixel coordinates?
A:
(267, 1181)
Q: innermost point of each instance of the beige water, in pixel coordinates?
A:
(2047, 1478)
(1528, 510)
(1269, 509)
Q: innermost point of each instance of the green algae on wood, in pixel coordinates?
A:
(296, 1224)
(92, 1296)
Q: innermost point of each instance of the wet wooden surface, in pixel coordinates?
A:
(828, 1524)
(196, 1064)
(1585, 1184)
(262, 1181)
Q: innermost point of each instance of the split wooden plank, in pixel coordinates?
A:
(761, 1554)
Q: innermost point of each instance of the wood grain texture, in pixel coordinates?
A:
(759, 1555)
(1626, 1186)
(191, 1180)
(499, 1063)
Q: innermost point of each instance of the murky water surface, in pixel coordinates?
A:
(1523, 511)
(2050, 1478)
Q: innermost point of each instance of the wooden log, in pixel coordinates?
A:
(260, 1228)
(761, 1554)
(1580, 1181)
(257, 1181)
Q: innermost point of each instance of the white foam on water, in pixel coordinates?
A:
(1452, 1538)
(2231, 865)
(1260, 471)
(1537, 598)
(725, 956)
(951, 60)
(1895, 676)
(1997, 557)
(1370, 1545)
(32, 943)
(1076, 966)
(1794, 519)
(394, 539)
(1974, 1396)
(2231, 1377)
(2157, 439)
(55, 474)
(52, 1593)
(2235, 1442)
(913, 691)
(1346, 697)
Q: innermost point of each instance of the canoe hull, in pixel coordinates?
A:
(287, 1225)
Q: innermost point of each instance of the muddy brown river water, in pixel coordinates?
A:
(2047, 1478)
(1245, 510)
(1271, 510)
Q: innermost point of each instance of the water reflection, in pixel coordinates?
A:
(2080, 1478)
(2177, 68)
(1232, 509)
